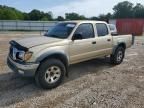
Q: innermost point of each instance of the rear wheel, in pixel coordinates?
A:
(50, 74)
(118, 56)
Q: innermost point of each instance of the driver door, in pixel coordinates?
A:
(82, 48)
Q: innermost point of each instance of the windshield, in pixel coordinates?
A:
(61, 30)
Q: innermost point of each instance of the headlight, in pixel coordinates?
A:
(24, 56)
(27, 56)
(20, 55)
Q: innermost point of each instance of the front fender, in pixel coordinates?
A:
(61, 55)
(51, 53)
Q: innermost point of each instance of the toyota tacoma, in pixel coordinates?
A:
(47, 58)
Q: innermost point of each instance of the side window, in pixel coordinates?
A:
(102, 29)
(112, 27)
(86, 30)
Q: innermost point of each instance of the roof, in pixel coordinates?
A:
(85, 21)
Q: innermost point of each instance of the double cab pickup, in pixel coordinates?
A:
(48, 57)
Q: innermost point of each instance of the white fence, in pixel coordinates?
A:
(26, 25)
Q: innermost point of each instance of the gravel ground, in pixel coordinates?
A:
(91, 84)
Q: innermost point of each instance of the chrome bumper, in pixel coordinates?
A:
(24, 69)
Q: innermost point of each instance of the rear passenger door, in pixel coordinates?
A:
(103, 39)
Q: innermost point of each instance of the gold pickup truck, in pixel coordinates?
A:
(48, 57)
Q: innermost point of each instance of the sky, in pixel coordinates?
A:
(60, 7)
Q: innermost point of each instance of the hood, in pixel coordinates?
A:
(35, 41)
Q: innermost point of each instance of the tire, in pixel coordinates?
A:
(50, 74)
(118, 56)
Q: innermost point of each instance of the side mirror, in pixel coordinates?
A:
(77, 37)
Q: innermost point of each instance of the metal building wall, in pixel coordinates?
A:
(129, 26)
(26, 25)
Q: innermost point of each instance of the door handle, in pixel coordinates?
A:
(94, 42)
(108, 39)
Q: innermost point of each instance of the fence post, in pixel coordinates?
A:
(29, 23)
(143, 30)
(43, 27)
(16, 25)
(2, 26)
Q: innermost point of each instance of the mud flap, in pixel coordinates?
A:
(133, 39)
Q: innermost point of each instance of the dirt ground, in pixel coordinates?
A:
(91, 84)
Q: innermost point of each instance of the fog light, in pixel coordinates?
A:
(21, 72)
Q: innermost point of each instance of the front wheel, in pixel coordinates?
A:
(118, 56)
(50, 74)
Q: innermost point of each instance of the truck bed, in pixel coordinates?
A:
(127, 39)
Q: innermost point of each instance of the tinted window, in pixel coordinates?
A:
(102, 29)
(86, 30)
(61, 30)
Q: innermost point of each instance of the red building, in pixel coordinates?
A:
(129, 26)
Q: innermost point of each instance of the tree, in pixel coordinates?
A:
(48, 15)
(8, 13)
(44, 18)
(74, 16)
(94, 18)
(123, 10)
(138, 11)
(26, 16)
(35, 15)
(105, 17)
(39, 15)
(1, 14)
(60, 18)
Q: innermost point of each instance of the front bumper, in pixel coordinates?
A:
(24, 69)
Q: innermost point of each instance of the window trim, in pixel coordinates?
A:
(92, 28)
(97, 30)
